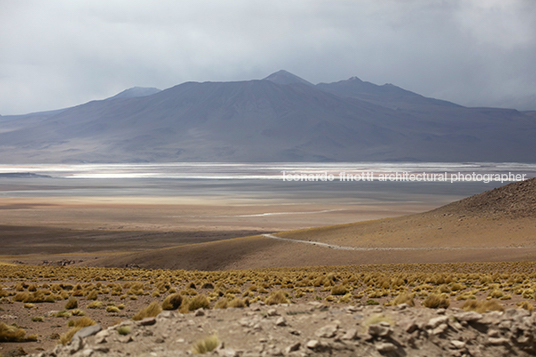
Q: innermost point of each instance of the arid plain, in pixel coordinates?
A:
(53, 245)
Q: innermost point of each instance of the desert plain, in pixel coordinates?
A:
(117, 255)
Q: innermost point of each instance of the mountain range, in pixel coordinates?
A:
(279, 118)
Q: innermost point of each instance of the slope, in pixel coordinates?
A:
(279, 118)
(463, 231)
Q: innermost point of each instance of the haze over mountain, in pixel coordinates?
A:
(279, 118)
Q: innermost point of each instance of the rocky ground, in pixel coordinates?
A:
(313, 329)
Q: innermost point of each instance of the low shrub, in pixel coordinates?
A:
(436, 301)
(150, 311)
(172, 302)
(404, 298)
(482, 306)
(208, 344)
(11, 333)
(276, 297)
(72, 303)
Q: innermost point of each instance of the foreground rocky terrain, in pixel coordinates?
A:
(313, 329)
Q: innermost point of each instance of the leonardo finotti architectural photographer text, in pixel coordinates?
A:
(369, 176)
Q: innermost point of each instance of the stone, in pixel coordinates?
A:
(148, 321)
(199, 312)
(76, 345)
(492, 318)
(408, 325)
(385, 347)
(351, 334)
(351, 309)
(440, 329)
(513, 314)
(524, 339)
(101, 336)
(493, 333)
(281, 321)
(88, 331)
(383, 329)
(101, 349)
(469, 316)
(272, 312)
(125, 339)
(294, 347)
(436, 321)
(312, 344)
(226, 352)
(457, 344)
(245, 322)
(86, 353)
(496, 341)
(327, 331)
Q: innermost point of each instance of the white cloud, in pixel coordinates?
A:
(59, 53)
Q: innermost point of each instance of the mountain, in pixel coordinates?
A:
(136, 92)
(279, 118)
(284, 77)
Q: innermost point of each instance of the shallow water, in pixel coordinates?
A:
(263, 182)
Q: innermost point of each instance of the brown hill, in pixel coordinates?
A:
(516, 200)
(498, 225)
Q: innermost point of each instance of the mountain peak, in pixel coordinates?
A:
(136, 92)
(284, 77)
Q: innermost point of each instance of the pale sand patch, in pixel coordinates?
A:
(164, 214)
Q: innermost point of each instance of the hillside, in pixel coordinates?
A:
(279, 118)
(516, 200)
(463, 231)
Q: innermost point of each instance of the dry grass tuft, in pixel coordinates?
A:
(339, 290)
(404, 299)
(208, 344)
(76, 325)
(172, 302)
(72, 303)
(238, 303)
(482, 306)
(276, 297)
(192, 304)
(11, 333)
(436, 301)
(150, 311)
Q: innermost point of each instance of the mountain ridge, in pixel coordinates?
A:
(279, 118)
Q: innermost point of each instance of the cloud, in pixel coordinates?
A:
(59, 53)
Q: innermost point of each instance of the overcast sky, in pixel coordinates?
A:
(55, 54)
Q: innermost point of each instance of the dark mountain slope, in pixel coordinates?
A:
(280, 118)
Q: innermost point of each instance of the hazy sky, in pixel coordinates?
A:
(55, 54)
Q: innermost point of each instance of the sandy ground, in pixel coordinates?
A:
(56, 228)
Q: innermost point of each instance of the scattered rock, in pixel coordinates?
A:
(351, 334)
(498, 341)
(87, 331)
(281, 321)
(294, 347)
(336, 331)
(457, 344)
(312, 344)
(436, 321)
(382, 329)
(148, 321)
(469, 316)
(385, 347)
(327, 331)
